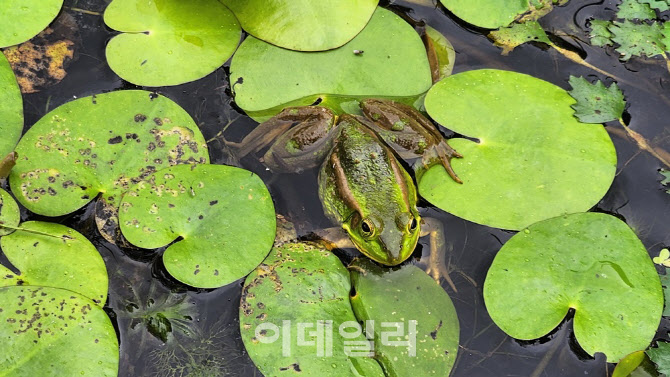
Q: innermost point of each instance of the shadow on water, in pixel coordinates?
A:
(167, 329)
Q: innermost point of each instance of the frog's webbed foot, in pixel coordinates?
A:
(441, 153)
(436, 266)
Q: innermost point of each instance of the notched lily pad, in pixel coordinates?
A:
(55, 332)
(304, 25)
(197, 36)
(224, 216)
(301, 290)
(266, 77)
(9, 213)
(424, 340)
(101, 145)
(23, 19)
(54, 255)
(11, 108)
(590, 262)
(530, 155)
(492, 14)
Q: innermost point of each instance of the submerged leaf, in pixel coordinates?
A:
(11, 108)
(661, 357)
(530, 155)
(635, 10)
(638, 39)
(223, 215)
(600, 34)
(54, 255)
(303, 25)
(23, 19)
(169, 42)
(55, 330)
(265, 77)
(591, 262)
(595, 102)
(665, 282)
(101, 145)
(510, 37)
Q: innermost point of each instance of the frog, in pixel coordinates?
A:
(362, 185)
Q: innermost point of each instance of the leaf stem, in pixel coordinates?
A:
(642, 143)
(578, 59)
(31, 231)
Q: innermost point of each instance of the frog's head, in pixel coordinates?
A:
(389, 241)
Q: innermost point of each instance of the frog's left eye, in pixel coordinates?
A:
(367, 228)
(413, 224)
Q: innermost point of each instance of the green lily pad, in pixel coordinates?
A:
(297, 288)
(9, 213)
(55, 332)
(11, 107)
(54, 255)
(591, 262)
(399, 297)
(371, 65)
(303, 25)
(224, 216)
(101, 145)
(490, 14)
(24, 19)
(169, 42)
(636, 364)
(531, 155)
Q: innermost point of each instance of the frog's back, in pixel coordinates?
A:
(362, 174)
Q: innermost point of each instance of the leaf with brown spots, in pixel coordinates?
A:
(49, 331)
(41, 62)
(54, 255)
(95, 146)
(223, 216)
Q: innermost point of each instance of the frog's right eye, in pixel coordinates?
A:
(367, 228)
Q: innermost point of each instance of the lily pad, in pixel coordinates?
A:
(531, 156)
(197, 36)
(24, 19)
(101, 145)
(54, 255)
(399, 297)
(9, 213)
(371, 65)
(490, 14)
(303, 25)
(591, 262)
(224, 216)
(11, 107)
(301, 292)
(55, 332)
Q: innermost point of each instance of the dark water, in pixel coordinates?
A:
(140, 288)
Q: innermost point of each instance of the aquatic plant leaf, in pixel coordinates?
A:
(48, 254)
(635, 10)
(490, 14)
(591, 262)
(24, 19)
(665, 282)
(636, 364)
(301, 290)
(638, 39)
(666, 180)
(661, 5)
(595, 102)
(55, 332)
(101, 145)
(11, 108)
(444, 54)
(224, 216)
(600, 34)
(400, 297)
(519, 33)
(9, 213)
(661, 357)
(532, 151)
(303, 25)
(169, 42)
(264, 76)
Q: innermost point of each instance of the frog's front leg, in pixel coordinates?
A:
(334, 238)
(298, 138)
(409, 133)
(437, 267)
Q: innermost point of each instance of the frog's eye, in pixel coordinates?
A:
(413, 224)
(367, 228)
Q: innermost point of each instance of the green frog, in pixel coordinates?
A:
(362, 185)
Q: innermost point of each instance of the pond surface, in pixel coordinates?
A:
(211, 346)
